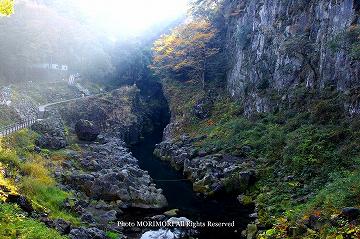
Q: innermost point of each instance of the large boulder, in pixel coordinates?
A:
(51, 142)
(51, 133)
(176, 232)
(86, 130)
(62, 226)
(351, 213)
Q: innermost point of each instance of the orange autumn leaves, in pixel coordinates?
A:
(185, 49)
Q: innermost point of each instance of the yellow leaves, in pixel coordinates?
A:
(6, 7)
(185, 48)
(6, 186)
(36, 169)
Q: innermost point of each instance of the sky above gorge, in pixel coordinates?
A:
(131, 16)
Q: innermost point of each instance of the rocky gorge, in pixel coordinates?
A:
(291, 81)
(104, 178)
(242, 122)
(208, 170)
(102, 174)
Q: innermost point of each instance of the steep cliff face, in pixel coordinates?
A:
(278, 45)
(291, 123)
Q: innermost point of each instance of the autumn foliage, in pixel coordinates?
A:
(6, 7)
(185, 50)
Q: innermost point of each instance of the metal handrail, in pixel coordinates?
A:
(17, 126)
(41, 114)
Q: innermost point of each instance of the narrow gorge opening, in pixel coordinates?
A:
(178, 190)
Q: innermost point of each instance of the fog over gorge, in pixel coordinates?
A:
(80, 34)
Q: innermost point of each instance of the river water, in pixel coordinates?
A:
(180, 195)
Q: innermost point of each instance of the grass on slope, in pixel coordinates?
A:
(33, 175)
(13, 221)
(14, 224)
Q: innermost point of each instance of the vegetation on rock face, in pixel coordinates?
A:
(307, 157)
(306, 148)
(28, 174)
(348, 41)
(15, 224)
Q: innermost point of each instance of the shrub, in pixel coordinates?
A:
(6, 187)
(22, 140)
(35, 168)
(327, 111)
(343, 191)
(313, 147)
(9, 158)
(59, 156)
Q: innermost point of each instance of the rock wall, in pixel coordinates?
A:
(127, 112)
(277, 45)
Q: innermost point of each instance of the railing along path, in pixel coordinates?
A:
(17, 126)
(41, 115)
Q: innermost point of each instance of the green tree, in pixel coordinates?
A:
(6, 7)
(185, 49)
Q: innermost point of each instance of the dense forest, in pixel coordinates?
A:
(240, 114)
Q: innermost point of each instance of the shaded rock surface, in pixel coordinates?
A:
(86, 130)
(127, 113)
(109, 172)
(87, 233)
(208, 171)
(276, 45)
(22, 201)
(351, 213)
(52, 132)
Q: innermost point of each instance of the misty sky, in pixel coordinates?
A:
(131, 16)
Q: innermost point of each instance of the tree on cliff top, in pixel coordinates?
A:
(205, 8)
(185, 51)
(6, 7)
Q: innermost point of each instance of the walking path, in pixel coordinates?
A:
(41, 115)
